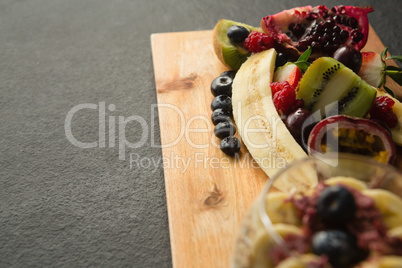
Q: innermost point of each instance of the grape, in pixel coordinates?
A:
(350, 57)
(297, 124)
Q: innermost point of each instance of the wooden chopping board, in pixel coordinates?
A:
(207, 192)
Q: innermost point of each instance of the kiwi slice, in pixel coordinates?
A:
(317, 76)
(230, 54)
(332, 88)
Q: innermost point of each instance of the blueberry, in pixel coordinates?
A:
(222, 101)
(222, 85)
(231, 74)
(224, 129)
(230, 145)
(340, 248)
(281, 59)
(237, 34)
(336, 205)
(220, 115)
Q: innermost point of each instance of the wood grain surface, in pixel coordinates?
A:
(207, 193)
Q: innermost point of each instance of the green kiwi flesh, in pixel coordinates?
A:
(332, 88)
(233, 54)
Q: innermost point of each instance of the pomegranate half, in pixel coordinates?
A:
(324, 29)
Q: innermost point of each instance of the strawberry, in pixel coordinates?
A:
(372, 70)
(289, 73)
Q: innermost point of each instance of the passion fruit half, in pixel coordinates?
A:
(347, 134)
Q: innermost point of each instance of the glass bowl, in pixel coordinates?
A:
(251, 246)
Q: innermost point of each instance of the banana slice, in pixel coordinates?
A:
(397, 109)
(264, 243)
(281, 211)
(389, 205)
(395, 232)
(383, 262)
(301, 261)
(348, 181)
(260, 126)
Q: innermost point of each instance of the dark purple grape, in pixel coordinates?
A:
(295, 120)
(230, 145)
(237, 34)
(224, 129)
(222, 101)
(350, 57)
(222, 85)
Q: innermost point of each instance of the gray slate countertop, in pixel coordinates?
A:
(66, 206)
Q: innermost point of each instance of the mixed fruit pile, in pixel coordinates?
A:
(304, 67)
(330, 95)
(339, 223)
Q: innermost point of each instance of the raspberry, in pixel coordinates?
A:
(257, 42)
(277, 86)
(285, 99)
(382, 111)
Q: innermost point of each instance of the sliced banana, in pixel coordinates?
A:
(260, 126)
(348, 181)
(301, 261)
(264, 243)
(389, 204)
(383, 262)
(280, 210)
(395, 232)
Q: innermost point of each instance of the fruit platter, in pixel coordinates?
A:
(307, 82)
(303, 81)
